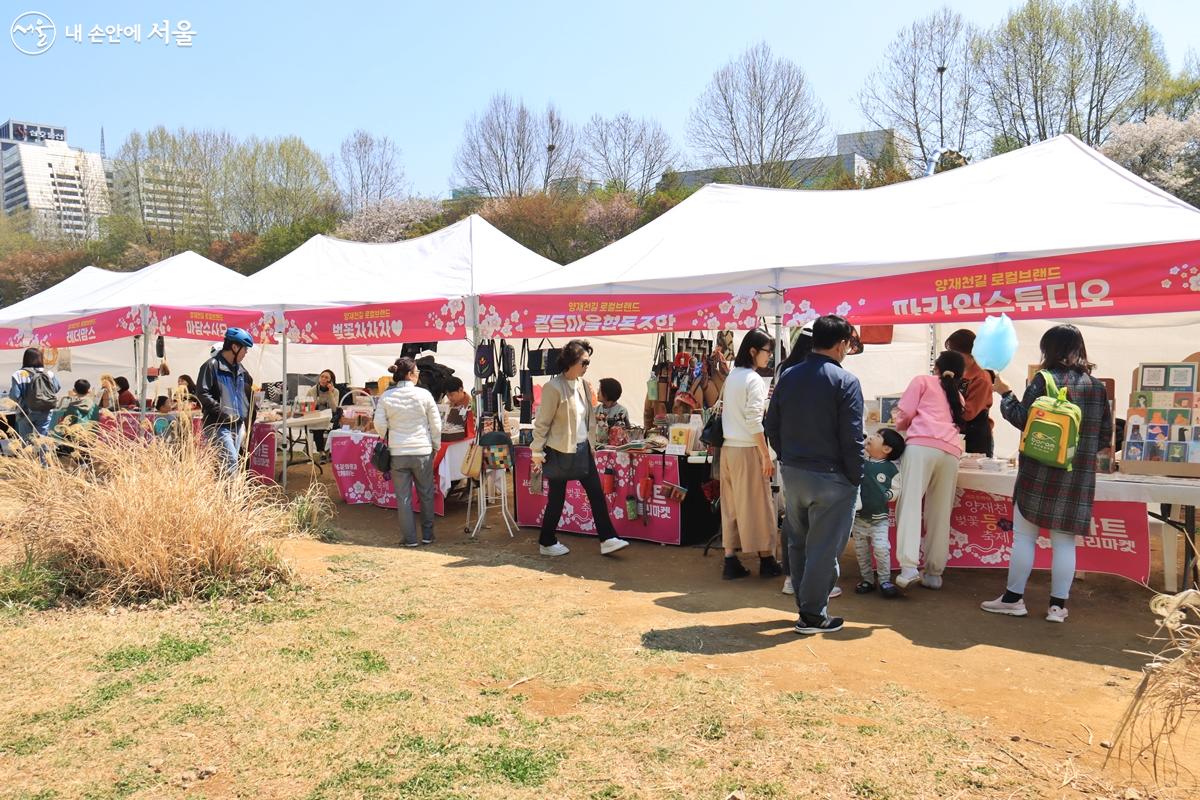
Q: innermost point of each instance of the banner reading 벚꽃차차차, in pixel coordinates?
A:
(526, 316)
(381, 323)
(1153, 279)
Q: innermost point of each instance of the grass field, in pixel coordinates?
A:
(479, 670)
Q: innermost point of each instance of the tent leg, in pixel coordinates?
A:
(287, 444)
(346, 367)
(142, 382)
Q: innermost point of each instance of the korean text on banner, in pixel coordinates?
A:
(383, 323)
(528, 316)
(209, 324)
(104, 327)
(1154, 279)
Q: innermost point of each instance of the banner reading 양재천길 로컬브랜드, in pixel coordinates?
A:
(526, 316)
(1153, 279)
(380, 323)
(210, 324)
(89, 329)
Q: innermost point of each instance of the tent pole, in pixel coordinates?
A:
(287, 443)
(346, 367)
(145, 361)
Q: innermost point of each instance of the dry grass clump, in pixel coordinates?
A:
(1167, 700)
(120, 520)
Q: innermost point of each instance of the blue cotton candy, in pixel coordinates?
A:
(995, 343)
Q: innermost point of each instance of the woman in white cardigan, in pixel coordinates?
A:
(410, 422)
(748, 519)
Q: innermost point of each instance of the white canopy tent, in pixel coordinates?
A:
(1058, 196)
(48, 304)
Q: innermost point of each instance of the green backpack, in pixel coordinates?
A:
(1052, 429)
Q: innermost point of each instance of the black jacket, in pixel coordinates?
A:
(815, 420)
(212, 381)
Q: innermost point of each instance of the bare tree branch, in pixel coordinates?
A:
(627, 154)
(367, 170)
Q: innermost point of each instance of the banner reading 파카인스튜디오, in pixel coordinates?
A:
(528, 316)
(1153, 279)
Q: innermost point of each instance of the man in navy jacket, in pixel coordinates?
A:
(815, 424)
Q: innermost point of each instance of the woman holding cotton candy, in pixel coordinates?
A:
(930, 414)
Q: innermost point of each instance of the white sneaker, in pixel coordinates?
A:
(835, 592)
(931, 581)
(907, 577)
(556, 549)
(610, 546)
(1056, 614)
(998, 606)
(787, 585)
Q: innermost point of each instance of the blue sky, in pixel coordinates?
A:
(416, 71)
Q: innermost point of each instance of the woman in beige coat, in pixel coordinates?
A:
(562, 449)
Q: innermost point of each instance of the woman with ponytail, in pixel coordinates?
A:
(930, 411)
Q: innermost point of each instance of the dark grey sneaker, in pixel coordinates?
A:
(810, 626)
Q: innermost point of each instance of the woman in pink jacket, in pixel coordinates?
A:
(930, 412)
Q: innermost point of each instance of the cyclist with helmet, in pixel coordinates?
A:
(224, 390)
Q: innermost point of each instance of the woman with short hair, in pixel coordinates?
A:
(1058, 500)
(32, 417)
(562, 449)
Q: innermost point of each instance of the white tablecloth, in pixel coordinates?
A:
(1147, 489)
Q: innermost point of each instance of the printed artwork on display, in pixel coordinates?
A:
(1184, 400)
(1179, 416)
(1141, 399)
(1177, 452)
(1158, 433)
(1157, 416)
(1154, 378)
(1135, 425)
(1182, 377)
(1135, 450)
(1155, 451)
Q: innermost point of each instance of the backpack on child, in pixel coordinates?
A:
(1052, 429)
(41, 396)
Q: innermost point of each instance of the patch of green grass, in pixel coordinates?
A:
(124, 657)
(322, 731)
(867, 788)
(189, 711)
(363, 701)
(336, 680)
(99, 697)
(121, 743)
(520, 766)
(345, 633)
(368, 661)
(361, 779)
(30, 583)
(798, 697)
(296, 653)
(107, 692)
(603, 696)
(869, 730)
(491, 692)
(610, 791)
(711, 729)
(26, 745)
(407, 616)
(427, 747)
(484, 720)
(432, 781)
(173, 650)
(167, 651)
(277, 612)
(44, 794)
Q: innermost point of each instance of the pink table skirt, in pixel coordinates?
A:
(359, 482)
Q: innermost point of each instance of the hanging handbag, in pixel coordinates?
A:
(488, 397)
(525, 385)
(565, 466)
(472, 463)
(485, 360)
(381, 456)
(662, 371)
(508, 359)
(713, 433)
(544, 360)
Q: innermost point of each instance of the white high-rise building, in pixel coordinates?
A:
(65, 190)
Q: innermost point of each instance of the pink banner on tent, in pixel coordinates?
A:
(384, 323)
(210, 324)
(623, 477)
(1154, 279)
(12, 338)
(103, 327)
(981, 537)
(526, 316)
(261, 462)
(358, 480)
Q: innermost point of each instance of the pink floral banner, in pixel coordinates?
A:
(1154, 279)
(981, 537)
(261, 462)
(527, 316)
(623, 477)
(383, 323)
(358, 480)
(210, 324)
(12, 338)
(104, 327)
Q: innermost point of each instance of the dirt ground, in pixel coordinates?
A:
(480, 669)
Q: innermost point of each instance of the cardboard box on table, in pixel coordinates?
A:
(1165, 468)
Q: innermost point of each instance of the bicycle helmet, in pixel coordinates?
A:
(238, 336)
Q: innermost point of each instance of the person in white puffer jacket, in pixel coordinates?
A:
(410, 421)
